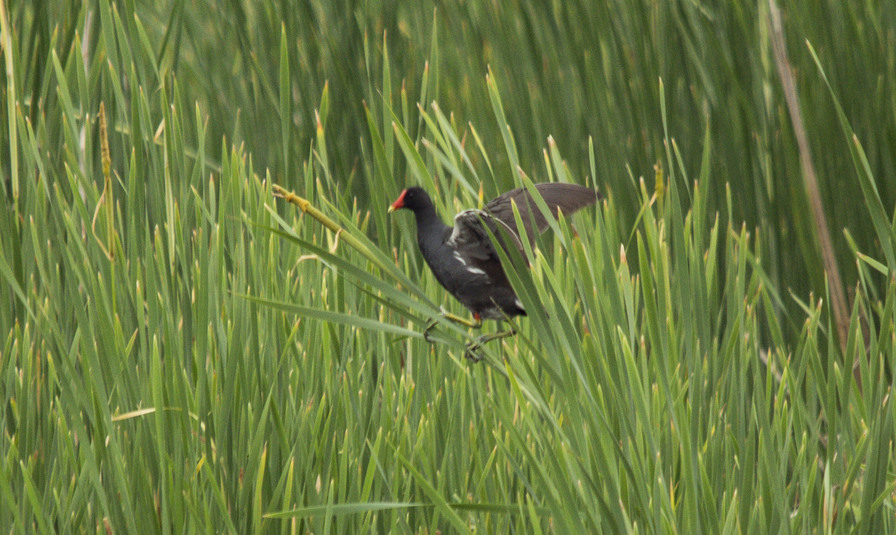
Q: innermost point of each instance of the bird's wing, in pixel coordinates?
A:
(567, 198)
(471, 240)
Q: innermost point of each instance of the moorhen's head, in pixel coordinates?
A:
(414, 199)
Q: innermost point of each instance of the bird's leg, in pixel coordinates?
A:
(475, 323)
(472, 348)
(428, 328)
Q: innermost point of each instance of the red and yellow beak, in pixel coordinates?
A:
(399, 202)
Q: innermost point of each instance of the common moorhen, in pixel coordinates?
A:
(463, 259)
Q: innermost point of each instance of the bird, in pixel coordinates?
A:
(463, 259)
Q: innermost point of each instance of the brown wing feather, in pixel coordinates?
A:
(470, 238)
(567, 198)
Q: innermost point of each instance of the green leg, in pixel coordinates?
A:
(428, 328)
(475, 323)
(472, 348)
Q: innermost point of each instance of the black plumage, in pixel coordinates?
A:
(462, 257)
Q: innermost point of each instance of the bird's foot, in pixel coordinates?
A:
(429, 327)
(433, 322)
(471, 351)
(475, 323)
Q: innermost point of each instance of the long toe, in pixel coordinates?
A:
(428, 328)
(471, 351)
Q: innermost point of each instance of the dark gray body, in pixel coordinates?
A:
(462, 257)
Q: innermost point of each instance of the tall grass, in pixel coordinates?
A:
(181, 351)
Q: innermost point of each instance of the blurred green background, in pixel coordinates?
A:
(567, 69)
